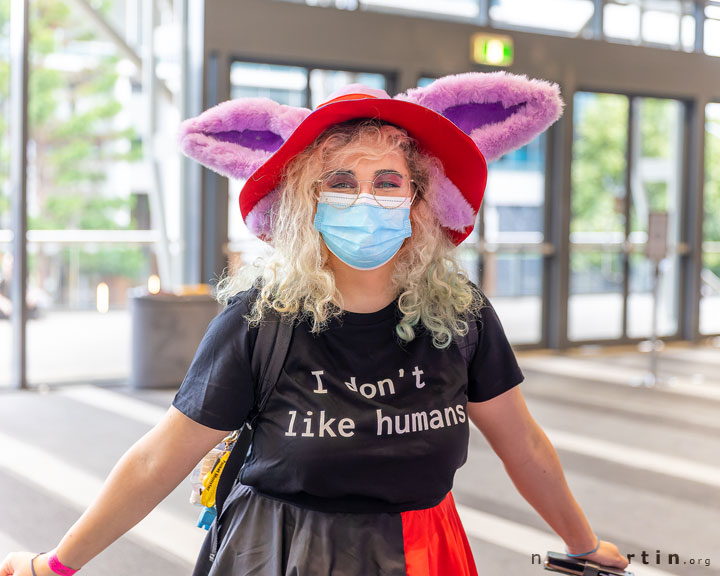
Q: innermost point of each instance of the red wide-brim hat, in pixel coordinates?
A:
(462, 161)
(462, 120)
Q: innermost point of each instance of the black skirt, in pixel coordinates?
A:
(262, 536)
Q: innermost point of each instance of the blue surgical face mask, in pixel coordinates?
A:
(365, 235)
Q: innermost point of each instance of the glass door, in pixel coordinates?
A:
(627, 162)
(656, 172)
(598, 219)
(710, 275)
(510, 241)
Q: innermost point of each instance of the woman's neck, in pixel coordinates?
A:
(363, 291)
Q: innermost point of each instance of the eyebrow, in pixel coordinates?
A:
(377, 172)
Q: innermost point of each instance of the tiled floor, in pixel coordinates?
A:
(642, 462)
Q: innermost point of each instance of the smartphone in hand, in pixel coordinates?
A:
(565, 564)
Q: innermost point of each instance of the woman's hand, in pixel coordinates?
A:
(607, 555)
(18, 564)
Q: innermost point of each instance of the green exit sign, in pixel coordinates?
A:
(492, 49)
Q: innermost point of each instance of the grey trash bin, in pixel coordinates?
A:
(166, 331)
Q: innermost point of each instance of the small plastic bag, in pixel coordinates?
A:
(206, 474)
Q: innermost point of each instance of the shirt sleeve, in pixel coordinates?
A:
(218, 389)
(494, 368)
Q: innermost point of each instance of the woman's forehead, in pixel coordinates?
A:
(348, 158)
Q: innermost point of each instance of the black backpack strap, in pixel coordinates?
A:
(268, 358)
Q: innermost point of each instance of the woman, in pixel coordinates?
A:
(354, 454)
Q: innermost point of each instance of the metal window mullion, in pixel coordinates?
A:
(699, 26)
(558, 205)
(629, 155)
(155, 189)
(217, 219)
(480, 245)
(308, 88)
(483, 17)
(19, 45)
(598, 19)
(547, 258)
(192, 104)
(676, 254)
(689, 322)
(214, 185)
(679, 45)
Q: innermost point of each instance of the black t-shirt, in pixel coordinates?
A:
(359, 421)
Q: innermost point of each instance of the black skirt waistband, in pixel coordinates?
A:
(348, 505)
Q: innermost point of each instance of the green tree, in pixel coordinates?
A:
(657, 120)
(599, 163)
(712, 185)
(599, 169)
(71, 113)
(598, 179)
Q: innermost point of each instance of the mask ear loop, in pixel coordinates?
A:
(415, 191)
(316, 190)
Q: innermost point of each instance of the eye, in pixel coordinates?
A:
(389, 181)
(340, 182)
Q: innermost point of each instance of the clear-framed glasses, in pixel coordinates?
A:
(390, 189)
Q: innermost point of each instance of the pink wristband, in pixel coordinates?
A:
(58, 568)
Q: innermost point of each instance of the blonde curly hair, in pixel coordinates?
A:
(433, 291)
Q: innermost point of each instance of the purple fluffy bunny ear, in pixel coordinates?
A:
(498, 110)
(236, 137)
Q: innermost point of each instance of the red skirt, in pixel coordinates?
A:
(435, 542)
(262, 536)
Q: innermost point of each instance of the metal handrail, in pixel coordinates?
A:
(152, 236)
(626, 247)
(541, 248)
(84, 237)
